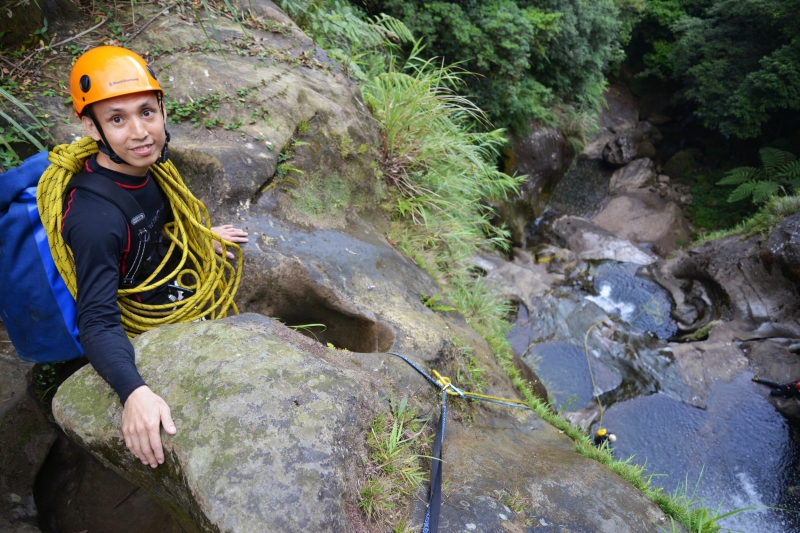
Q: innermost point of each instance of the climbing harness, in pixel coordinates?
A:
(443, 383)
(210, 276)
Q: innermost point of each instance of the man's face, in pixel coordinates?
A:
(134, 127)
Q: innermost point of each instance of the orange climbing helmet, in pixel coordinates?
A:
(108, 71)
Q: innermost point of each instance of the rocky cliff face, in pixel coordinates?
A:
(750, 285)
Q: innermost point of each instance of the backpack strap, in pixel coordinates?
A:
(130, 208)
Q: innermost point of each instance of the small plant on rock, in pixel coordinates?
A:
(394, 467)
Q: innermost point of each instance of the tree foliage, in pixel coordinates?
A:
(529, 55)
(737, 61)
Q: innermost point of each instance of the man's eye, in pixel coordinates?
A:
(116, 120)
(147, 112)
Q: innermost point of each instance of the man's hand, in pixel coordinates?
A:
(142, 417)
(228, 233)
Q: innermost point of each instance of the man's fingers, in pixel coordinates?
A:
(131, 442)
(155, 444)
(166, 420)
(150, 442)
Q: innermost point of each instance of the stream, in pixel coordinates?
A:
(730, 449)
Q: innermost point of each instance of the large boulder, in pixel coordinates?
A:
(635, 175)
(591, 242)
(782, 248)
(25, 439)
(682, 165)
(272, 430)
(645, 218)
(264, 427)
(543, 156)
(623, 148)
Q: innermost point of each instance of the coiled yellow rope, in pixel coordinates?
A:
(212, 278)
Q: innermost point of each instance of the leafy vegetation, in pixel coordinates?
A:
(736, 61)
(780, 171)
(442, 171)
(529, 57)
(768, 216)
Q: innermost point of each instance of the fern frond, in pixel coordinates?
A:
(742, 191)
(396, 28)
(764, 190)
(789, 172)
(773, 159)
(739, 175)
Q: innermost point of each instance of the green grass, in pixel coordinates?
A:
(14, 132)
(442, 170)
(395, 464)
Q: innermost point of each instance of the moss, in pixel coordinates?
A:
(321, 194)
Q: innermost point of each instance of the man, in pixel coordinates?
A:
(119, 102)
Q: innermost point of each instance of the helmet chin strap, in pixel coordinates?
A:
(105, 148)
(164, 150)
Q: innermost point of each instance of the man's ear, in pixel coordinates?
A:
(91, 128)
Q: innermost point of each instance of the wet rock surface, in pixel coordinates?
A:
(544, 156)
(586, 498)
(738, 284)
(582, 191)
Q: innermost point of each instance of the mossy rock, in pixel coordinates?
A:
(268, 433)
(682, 165)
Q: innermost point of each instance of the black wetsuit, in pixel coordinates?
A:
(99, 236)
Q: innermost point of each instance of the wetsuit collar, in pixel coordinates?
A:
(123, 179)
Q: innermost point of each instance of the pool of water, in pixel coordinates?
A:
(742, 447)
(738, 452)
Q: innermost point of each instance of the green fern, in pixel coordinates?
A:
(764, 190)
(742, 191)
(773, 159)
(791, 174)
(780, 174)
(739, 175)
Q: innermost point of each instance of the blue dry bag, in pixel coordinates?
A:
(37, 308)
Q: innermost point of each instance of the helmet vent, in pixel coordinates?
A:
(153, 74)
(86, 83)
